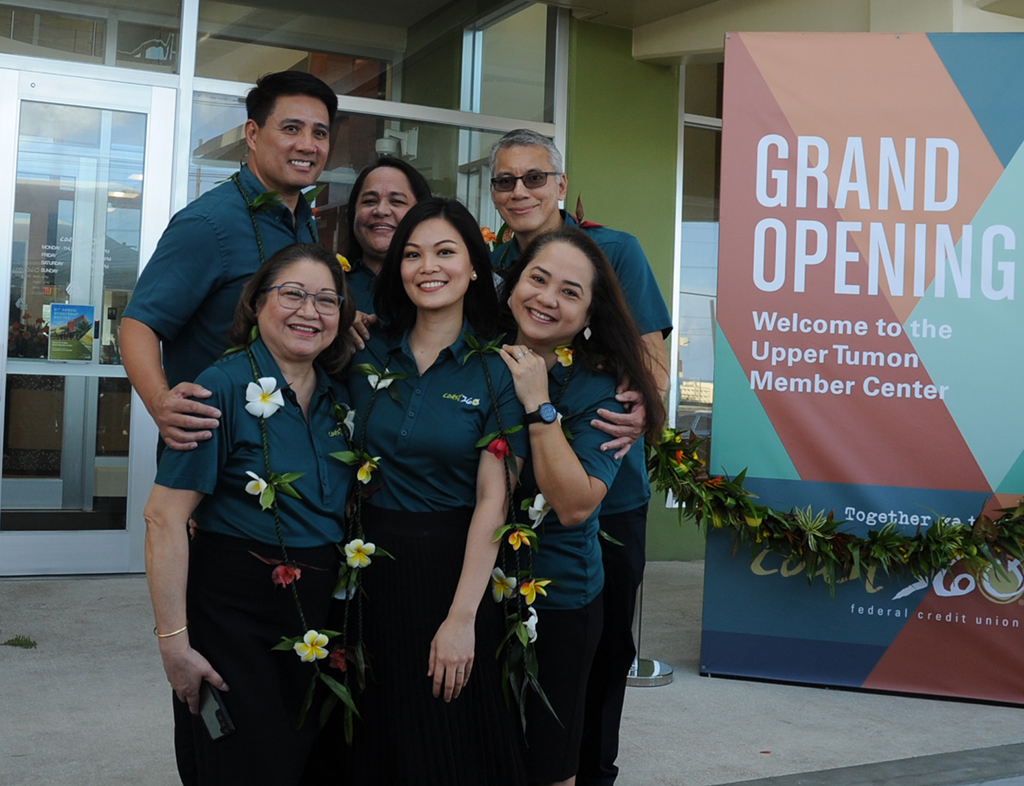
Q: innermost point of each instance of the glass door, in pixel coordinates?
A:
(90, 166)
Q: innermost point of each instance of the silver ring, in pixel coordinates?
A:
(528, 351)
(520, 356)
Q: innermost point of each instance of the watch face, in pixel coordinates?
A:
(548, 413)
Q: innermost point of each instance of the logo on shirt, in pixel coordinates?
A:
(472, 402)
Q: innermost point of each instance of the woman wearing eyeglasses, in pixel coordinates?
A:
(263, 561)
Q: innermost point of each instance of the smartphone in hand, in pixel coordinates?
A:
(214, 713)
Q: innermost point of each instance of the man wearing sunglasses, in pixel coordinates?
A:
(527, 183)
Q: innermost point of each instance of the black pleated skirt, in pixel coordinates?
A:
(236, 614)
(405, 736)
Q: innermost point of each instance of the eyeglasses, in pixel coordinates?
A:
(531, 180)
(291, 298)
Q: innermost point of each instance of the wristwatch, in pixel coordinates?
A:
(546, 413)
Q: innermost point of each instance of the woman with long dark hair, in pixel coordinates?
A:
(432, 711)
(574, 342)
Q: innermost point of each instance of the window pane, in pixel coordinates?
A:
(142, 34)
(414, 53)
(699, 276)
(452, 158)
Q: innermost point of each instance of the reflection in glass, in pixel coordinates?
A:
(218, 147)
(415, 53)
(75, 259)
(698, 276)
(79, 177)
(142, 34)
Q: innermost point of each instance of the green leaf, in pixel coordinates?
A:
(25, 642)
(314, 192)
(349, 457)
(327, 708)
(267, 497)
(307, 702)
(341, 691)
(605, 536)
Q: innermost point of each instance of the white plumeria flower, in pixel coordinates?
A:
(264, 398)
(531, 625)
(502, 586)
(377, 383)
(538, 509)
(256, 485)
(312, 647)
(349, 423)
(358, 553)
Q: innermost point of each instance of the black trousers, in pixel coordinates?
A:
(236, 615)
(606, 689)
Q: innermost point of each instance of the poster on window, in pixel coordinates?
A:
(71, 332)
(869, 348)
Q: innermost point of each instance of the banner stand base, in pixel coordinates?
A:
(647, 673)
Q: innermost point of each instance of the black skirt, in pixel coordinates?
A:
(404, 735)
(236, 614)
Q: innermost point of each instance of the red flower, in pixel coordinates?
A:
(313, 211)
(285, 575)
(499, 447)
(338, 660)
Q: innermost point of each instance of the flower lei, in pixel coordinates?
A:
(812, 541)
(520, 670)
(268, 200)
(264, 398)
(358, 551)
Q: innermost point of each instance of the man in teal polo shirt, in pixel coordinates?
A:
(185, 298)
(528, 181)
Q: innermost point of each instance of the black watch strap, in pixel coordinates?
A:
(545, 413)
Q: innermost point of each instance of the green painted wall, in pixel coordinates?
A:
(621, 157)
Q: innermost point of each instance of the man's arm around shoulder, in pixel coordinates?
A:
(183, 422)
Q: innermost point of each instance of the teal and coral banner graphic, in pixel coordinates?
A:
(869, 347)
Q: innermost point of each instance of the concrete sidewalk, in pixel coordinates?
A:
(90, 706)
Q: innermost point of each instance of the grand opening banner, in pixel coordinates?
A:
(870, 347)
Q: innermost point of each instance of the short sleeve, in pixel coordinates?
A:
(199, 469)
(639, 286)
(186, 266)
(587, 440)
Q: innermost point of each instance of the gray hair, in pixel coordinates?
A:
(524, 137)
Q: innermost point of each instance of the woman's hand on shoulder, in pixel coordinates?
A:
(451, 656)
(186, 669)
(529, 374)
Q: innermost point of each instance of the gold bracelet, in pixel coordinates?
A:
(173, 633)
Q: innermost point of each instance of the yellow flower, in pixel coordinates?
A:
(564, 355)
(312, 647)
(345, 264)
(517, 538)
(529, 589)
(366, 470)
(502, 586)
(358, 553)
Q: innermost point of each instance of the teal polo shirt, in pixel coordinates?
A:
(188, 291)
(362, 284)
(427, 443)
(218, 466)
(571, 556)
(627, 258)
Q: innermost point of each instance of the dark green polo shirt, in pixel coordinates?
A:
(188, 291)
(627, 258)
(571, 556)
(362, 284)
(427, 443)
(218, 466)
